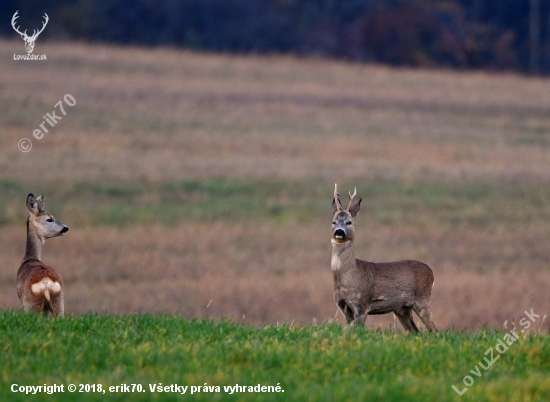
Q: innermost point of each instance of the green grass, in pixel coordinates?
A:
(313, 363)
(122, 204)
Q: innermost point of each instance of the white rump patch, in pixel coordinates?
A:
(46, 284)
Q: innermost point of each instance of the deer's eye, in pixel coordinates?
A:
(49, 220)
(348, 223)
(333, 222)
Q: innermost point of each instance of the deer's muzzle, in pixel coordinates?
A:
(339, 234)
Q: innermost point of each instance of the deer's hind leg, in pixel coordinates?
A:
(32, 303)
(406, 319)
(58, 308)
(423, 311)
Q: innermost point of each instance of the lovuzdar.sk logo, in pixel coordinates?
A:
(29, 40)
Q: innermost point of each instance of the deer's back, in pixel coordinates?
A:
(407, 276)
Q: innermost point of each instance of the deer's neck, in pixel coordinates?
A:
(343, 256)
(33, 249)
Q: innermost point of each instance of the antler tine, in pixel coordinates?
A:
(351, 196)
(336, 197)
(46, 19)
(13, 21)
(15, 16)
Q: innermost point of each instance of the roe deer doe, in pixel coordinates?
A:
(362, 288)
(39, 287)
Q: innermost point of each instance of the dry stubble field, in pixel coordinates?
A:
(201, 185)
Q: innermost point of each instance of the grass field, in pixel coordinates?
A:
(198, 186)
(311, 363)
(191, 180)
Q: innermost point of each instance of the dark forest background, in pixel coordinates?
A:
(505, 35)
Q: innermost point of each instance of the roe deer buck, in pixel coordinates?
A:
(39, 287)
(364, 288)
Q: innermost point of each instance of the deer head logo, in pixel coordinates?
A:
(29, 40)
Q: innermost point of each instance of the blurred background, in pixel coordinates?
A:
(510, 35)
(197, 167)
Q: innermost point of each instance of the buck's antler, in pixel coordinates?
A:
(34, 33)
(336, 198)
(15, 16)
(351, 196)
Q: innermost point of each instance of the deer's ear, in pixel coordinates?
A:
(40, 201)
(354, 208)
(32, 204)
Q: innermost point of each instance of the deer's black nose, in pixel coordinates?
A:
(64, 230)
(339, 234)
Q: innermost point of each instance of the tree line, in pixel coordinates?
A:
(505, 35)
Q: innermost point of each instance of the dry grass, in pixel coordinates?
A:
(263, 275)
(150, 117)
(165, 114)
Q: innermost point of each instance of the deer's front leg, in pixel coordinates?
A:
(359, 316)
(361, 319)
(354, 315)
(346, 310)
